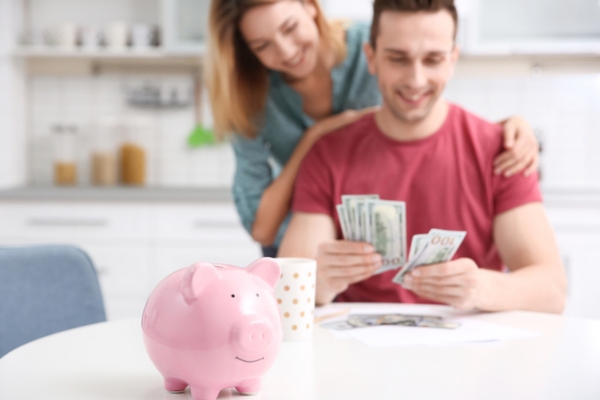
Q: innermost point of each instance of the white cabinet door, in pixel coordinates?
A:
(54, 222)
(170, 259)
(206, 223)
(122, 270)
(580, 254)
(578, 235)
(189, 233)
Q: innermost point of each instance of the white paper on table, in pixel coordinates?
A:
(470, 331)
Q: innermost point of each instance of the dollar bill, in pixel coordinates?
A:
(365, 320)
(440, 246)
(417, 244)
(350, 202)
(385, 223)
(344, 223)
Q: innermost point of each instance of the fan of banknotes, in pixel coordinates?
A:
(364, 320)
(382, 223)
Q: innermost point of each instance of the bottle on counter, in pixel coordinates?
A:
(65, 161)
(132, 153)
(103, 155)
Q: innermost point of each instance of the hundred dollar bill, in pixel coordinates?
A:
(367, 320)
(349, 201)
(343, 216)
(417, 244)
(360, 217)
(440, 246)
(386, 231)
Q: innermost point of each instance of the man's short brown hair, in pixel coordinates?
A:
(379, 6)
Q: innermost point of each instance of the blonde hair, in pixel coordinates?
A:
(237, 81)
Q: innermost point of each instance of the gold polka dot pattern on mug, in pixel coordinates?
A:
(295, 301)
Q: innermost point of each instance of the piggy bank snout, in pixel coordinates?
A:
(253, 335)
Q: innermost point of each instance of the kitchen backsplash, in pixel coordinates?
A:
(84, 102)
(12, 131)
(563, 109)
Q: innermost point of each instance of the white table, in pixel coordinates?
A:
(108, 361)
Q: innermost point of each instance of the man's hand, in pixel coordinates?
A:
(341, 263)
(457, 283)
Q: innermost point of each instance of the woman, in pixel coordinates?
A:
(280, 76)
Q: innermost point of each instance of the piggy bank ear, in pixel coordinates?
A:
(196, 278)
(266, 269)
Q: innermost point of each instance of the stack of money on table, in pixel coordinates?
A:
(382, 223)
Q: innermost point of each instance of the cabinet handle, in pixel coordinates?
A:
(201, 224)
(66, 222)
(101, 270)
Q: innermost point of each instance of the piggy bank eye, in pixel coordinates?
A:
(256, 294)
(233, 295)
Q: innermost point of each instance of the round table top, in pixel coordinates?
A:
(108, 361)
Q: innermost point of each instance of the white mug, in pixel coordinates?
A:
(67, 36)
(141, 36)
(91, 37)
(295, 294)
(117, 34)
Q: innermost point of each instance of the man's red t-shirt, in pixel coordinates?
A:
(447, 181)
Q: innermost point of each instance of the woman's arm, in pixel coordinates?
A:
(275, 202)
(521, 148)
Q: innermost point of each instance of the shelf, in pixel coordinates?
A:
(48, 52)
(542, 48)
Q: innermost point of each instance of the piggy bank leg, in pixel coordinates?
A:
(203, 393)
(249, 388)
(175, 385)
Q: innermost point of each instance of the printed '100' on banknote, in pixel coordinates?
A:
(440, 246)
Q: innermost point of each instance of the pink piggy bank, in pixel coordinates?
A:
(214, 326)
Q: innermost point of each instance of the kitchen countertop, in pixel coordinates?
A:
(553, 197)
(118, 193)
(571, 198)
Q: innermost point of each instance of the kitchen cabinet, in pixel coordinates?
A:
(509, 27)
(577, 231)
(544, 27)
(184, 24)
(133, 244)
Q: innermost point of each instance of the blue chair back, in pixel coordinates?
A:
(44, 290)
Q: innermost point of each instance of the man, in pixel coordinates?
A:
(438, 158)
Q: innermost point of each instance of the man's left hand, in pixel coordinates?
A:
(457, 283)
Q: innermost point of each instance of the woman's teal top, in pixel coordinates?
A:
(259, 160)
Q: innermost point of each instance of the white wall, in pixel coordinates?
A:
(12, 89)
(564, 108)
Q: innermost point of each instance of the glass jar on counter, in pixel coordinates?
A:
(104, 152)
(65, 154)
(132, 152)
